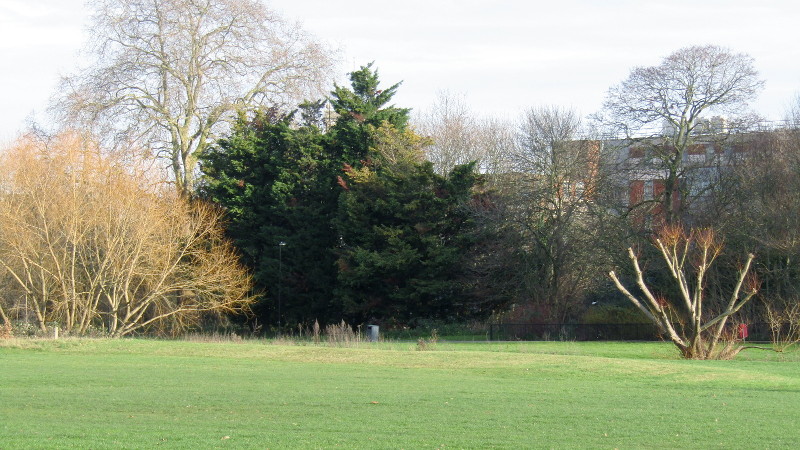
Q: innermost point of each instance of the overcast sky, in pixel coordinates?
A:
(501, 56)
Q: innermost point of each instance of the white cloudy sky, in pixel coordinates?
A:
(503, 56)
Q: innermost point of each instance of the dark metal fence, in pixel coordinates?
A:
(600, 332)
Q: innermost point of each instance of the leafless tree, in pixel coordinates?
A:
(3, 315)
(662, 107)
(548, 199)
(688, 257)
(460, 136)
(498, 140)
(171, 74)
(793, 113)
(86, 241)
(758, 210)
(783, 317)
(454, 131)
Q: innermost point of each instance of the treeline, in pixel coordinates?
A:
(349, 219)
(188, 183)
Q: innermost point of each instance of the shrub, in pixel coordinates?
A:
(611, 314)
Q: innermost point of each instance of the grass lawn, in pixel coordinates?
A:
(255, 394)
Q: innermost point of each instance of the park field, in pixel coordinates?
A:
(132, 393)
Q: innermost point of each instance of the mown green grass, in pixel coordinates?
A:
(144, 394)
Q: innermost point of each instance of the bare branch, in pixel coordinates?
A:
(674, 247)
(171, 74)
(88, 241)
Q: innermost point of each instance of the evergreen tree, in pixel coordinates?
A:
(274, 182)
(370, 229)
(404, 233)
(361, 109)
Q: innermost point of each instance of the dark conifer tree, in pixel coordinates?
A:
(360, 109)
(274, 180)
(371, 231)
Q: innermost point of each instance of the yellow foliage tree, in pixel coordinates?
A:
(88, 240)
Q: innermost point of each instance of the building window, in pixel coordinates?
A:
(636, 152)
(636, 192)
(696, 149)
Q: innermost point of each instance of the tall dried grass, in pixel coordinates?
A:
(213, 337)
(342, 335)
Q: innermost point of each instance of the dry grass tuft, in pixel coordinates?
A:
(430, 343)
(342, 334)
(213, 337)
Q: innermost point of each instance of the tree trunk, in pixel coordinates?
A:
(4, 316)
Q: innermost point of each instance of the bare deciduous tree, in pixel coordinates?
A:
(759, 211)
(454, 131)
(688, 257)
(539, 210)
(498, 142)
(793, 113)
(170, 74)
(460, 137)
(86, 241)
(783, 317)
(3, 315)
(661, 107)
(547, 198)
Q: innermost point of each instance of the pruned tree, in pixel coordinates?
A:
(88, 242)
(661, 108)
(171, 74)
(682, 318)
